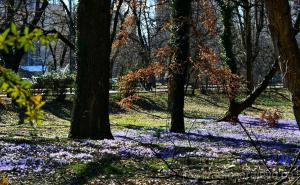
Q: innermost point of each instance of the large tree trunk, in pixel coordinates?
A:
(90, 115)
(178, 67)
(283, 34)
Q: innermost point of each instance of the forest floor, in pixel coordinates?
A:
(144, 152)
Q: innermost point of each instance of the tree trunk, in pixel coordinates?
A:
(52, 50)
(194, 86)
(63, 56)
(236, 108)
(248, 45)
(181, 10)
(188, 78)
(226, 36)
(90, 117)
(283, 34)
(13, 59)
(72, 38)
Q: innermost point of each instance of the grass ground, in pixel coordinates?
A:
(153, 107)
(148, 112)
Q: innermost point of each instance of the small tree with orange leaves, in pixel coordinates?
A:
(128, 84)
(209, 65)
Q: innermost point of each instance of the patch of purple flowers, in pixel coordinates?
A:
(204, 138)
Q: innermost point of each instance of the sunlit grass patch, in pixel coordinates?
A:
(136, 119)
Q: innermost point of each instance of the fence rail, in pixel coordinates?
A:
(71, 91)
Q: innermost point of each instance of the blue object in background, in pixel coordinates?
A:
(38, 68)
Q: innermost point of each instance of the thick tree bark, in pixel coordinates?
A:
(90, 114)
(282, 31)
(178, 67)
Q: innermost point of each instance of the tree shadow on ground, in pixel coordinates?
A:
(221, 141)
(63, 109)
(104, 167)
(2, 110)
(34, 141)
(148, 104)
(198, 115)
(149, 114)
(60, 109)
(148, 128)
(115, 108)
(210, 101)
(290, 125)
(237, 143)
